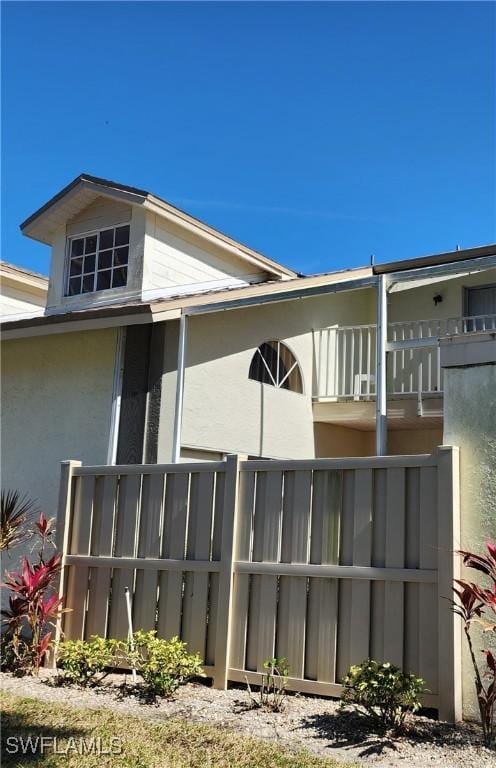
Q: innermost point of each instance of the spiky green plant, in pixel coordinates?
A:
(16, 517)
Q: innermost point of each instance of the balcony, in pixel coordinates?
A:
(345, 358)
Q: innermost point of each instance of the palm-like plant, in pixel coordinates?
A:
(16, 516)
(473, 602)
(33, 605)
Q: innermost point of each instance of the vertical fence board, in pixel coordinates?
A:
(344, 587)
(395, 558)
(241, 594)
(449, 629)
(266, 546)
(428, 592)
(101, 544)
(225, 577)
(77, 578)
(378, 588)
(145, 593)
(213, 600)
(81, 520)
(173, 546)
(267, 609)
(268, 505)
(362, 553)
(242, 551)
(194, 630)
(411, 597)
(125, 538)
(65, 511)
(292, 613)
(321, 636)
(296, 517)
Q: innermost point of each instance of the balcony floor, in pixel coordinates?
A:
(403, 411)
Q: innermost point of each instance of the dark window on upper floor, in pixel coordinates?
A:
(98, 261)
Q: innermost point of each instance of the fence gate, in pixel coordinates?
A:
(326, 562)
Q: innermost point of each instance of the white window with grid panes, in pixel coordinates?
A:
(98, 261)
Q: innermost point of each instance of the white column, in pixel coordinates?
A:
(380, 371)
(178, 414)
(116, 396)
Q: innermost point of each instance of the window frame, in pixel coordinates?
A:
(82, 236)
(296, 365)
(466, 291)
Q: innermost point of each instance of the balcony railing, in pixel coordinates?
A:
(345, 356)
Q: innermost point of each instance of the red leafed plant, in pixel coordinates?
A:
(475, 605)
(33, 606)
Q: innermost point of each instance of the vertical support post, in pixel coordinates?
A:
(62, 531)
(178, 414)
(116, 396)
(449, 628)
(380, 371)
(227, 552)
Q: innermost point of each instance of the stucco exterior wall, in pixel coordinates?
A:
(470, 423)
(56, 404)
(226, 411)
(334, 440)
(418, 303)
(411, 441)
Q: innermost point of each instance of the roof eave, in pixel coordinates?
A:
(437, 259)
(35, 226)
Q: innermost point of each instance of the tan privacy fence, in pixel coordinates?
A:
(326, 562)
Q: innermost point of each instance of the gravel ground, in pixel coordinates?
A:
(306, 721)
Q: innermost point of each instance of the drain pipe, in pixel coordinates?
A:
(178, 413)
(380, 371)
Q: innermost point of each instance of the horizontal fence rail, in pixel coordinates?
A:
(345, 356)
(326, 562)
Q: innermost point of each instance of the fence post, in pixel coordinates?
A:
(449, 629)
(224, 618)
(62, 532)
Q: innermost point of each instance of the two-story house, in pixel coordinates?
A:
(164, 339)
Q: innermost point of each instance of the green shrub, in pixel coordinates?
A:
(383, 692)
(164, 665)
(273, 686)
(86, 662)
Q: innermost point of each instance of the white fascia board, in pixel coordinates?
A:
(105, 190)
(75, 325)
(166, 314)
(74, 200)
(24, 282)
(15, 316)
(280, 296)
(443, 271)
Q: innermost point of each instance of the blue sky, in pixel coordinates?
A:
(318, 133)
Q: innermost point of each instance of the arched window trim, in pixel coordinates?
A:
(279, 384)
